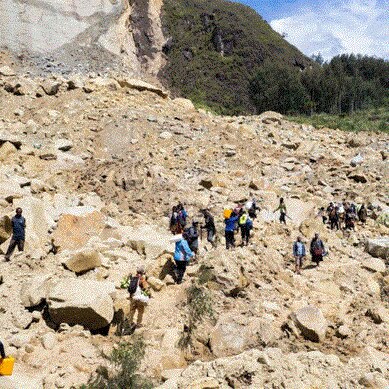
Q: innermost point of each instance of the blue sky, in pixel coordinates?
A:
(330, 27)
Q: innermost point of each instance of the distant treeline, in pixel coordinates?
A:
(345, 84)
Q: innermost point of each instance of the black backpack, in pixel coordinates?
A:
(133, 285)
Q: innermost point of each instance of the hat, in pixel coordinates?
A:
(140, 269)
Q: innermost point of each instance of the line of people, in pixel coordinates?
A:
(342, 216)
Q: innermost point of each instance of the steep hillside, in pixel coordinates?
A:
(215, 47)
(70, 36)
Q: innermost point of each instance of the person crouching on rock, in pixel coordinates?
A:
(299, 254)
(18, 233)
(139, 296)
(182, 255)
(317, 249)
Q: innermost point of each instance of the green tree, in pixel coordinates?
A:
(278, 87)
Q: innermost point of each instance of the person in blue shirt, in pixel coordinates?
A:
(182, 255)
(18, 233)
(299, 254)
(229, 230)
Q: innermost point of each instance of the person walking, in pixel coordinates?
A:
(299, 254)
(322, 214)
(229, 230)
(243, 228)
(138, 296)
(317, 249)
(182, 255)
(362, 214)
(209, 225)
(192, 234)
(282, 209)
(18, 233)
(334, 218)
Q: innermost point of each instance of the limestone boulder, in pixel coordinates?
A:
(311, 322)
(374, 265)
(6, 71)
(155, 283)
(378, 314)
(84, 302)
(63, 144)
(147, 240)
(11, 190)
(6, 150)
(229, 337)
(5, 228)
(35, 290)
(83, 260)
(73, 232)
(309, 227)
(51, 87)
(141, 86)
(378, 247)
(172, 357)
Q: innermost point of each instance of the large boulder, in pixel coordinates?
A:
(374, 264)
(311, 322)
(83, 260)
(73, 232)
(172, 357)
(229, 337)
(35, 290)
(5, 228)
(141, 86)
(147, 240)
(85, 302)
(378, 247)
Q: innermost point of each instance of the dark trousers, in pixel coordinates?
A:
(283, 217)
(245, 233)
(334, 223)
(2, 352)
(12, 245)
(230, 241)
(180, 270)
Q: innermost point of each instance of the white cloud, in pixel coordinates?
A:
(336, 27)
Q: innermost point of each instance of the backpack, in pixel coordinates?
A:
(190, 234)
(249, 224)
(133, 285)
(181, 219)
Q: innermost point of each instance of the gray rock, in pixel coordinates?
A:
(378, 247)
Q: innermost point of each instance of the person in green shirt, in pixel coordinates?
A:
(282, 209)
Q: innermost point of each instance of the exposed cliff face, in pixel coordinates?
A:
(75, 32)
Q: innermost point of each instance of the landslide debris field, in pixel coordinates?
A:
(96, 163)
